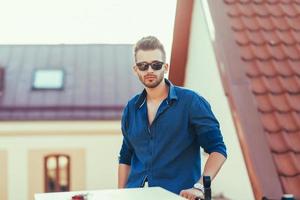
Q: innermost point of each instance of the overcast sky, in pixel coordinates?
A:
(85, 21)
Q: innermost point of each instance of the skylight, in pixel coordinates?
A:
(48, 79)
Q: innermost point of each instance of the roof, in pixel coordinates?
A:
(257, 46)
(262, 78)
(98, 81)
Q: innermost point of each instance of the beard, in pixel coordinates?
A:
(152, 83)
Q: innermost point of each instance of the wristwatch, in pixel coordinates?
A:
(199, 186)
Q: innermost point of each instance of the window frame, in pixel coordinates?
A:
(57, 177)
(33, 87)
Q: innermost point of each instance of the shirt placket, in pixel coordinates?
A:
(151, 131)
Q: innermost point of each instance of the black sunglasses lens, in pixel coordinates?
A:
(157, 66)
(145, 66)
(142, 66)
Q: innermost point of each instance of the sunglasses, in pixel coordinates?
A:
(144, 66)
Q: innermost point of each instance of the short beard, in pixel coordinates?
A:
(154, 84)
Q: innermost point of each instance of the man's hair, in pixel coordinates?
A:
(149, 43)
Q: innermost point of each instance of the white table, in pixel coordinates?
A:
(151, 193)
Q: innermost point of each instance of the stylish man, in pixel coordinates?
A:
(163, 129)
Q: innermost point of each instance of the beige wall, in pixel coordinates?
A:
(3, 175)
(203, 76)
(99, 140)
(36, 169)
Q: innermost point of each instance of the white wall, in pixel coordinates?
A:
(203, 76)
(3, 174)
(101, 146)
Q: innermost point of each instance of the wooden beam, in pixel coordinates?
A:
(181, 35)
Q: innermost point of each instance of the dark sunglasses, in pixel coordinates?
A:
(156, 65)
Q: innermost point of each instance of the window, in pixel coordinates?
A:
(1, 80)
(57, 173)
(48, 79)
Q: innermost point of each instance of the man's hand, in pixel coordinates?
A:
(191, 194)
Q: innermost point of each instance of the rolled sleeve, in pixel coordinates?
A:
(126, 151)
(206, 126)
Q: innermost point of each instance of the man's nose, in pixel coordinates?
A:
(150, 68)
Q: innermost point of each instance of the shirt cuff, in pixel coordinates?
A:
(123, 160)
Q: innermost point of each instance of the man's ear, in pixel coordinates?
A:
(166, 68)
(134, 69)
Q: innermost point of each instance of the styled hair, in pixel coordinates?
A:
(149, 43)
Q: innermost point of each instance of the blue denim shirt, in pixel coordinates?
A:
(167, 153)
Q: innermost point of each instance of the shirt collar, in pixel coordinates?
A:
(171, 96)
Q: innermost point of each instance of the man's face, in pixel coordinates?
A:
(150, 77)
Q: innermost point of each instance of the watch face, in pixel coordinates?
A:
(198, 186)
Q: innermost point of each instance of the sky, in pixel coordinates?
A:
(86, 21)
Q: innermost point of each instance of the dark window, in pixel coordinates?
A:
(47, 79)
(1, 80)
(57, 173)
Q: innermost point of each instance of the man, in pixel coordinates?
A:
(163, 129)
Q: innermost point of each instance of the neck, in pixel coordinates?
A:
(158, 93)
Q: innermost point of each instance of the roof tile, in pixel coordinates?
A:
(294, 65)
(287, 163)
(230, 1)
(294, 140)
(287, 121)
(291, 184)
(289, 10)
(282, 141)
(252, 69)
(281, 24)
(294, 22)
(274, 10)
(264, 104)
(241, 39)
(293, 51)
(233, 11)
(273, 85)
(294, 101)
(270, 122)
(237, 24)
(296, 116)
(250, 23)
(290, 84)
(266, 68)
(279, 103)
(255, 38)
(270, 37)
(276, 52)
(282, 68)
(265, 23)
(286, 37)
(260, 10)
(296, 35)
(258, 86)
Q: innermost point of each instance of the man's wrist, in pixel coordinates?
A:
(199, 186)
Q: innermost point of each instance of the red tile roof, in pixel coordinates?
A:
(266, 34)
(257, 45)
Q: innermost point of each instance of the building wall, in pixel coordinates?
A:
(3, 174)
(203, 76)
(36, 180)
(97, 144)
